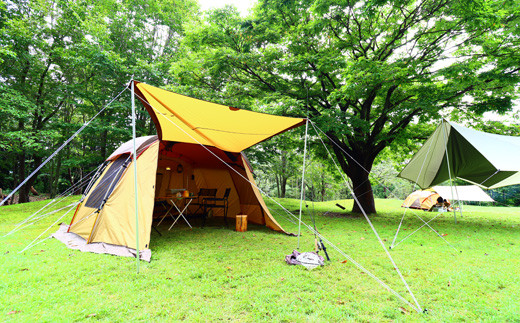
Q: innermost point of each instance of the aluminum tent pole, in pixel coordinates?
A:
(458, 201)
(134, 157)
(449, 170)
(303, 182)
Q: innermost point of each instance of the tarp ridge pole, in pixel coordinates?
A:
(134, 157)
(302, 194)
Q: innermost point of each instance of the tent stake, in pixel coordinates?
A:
(134, 157)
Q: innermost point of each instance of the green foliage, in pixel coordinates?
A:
(366, 72)
(62, 63)
(216, 273)
(386, 184)
(509, 195)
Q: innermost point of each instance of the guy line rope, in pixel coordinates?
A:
(416, 307)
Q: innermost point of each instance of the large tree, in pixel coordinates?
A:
(367, 72)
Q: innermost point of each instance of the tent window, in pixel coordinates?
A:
(107, 184)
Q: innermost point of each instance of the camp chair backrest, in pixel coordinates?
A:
(208, 192)
(226, 193)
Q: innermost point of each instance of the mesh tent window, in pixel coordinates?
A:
(107, 183)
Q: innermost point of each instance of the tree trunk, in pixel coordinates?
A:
(50, 182)
(103, 138)
(23, 193)
(363, 191)
(278, 185)
(78, 190)
(323, 187)
(56, 177)
(103, 150)
(358, 172)
(283, 186)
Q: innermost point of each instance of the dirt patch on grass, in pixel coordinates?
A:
(342, 215)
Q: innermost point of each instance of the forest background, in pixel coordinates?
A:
(376, 76)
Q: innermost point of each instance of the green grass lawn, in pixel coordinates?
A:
(216, 273)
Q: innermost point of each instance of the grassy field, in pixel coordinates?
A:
(216, 273)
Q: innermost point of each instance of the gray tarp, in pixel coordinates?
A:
(484, 159)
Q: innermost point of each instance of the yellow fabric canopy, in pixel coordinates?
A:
(184, 119)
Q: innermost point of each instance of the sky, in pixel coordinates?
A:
(242, 5)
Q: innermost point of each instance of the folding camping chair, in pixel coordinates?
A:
(215, 202)
(199, 201)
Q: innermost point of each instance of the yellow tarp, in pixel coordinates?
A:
(183, 119)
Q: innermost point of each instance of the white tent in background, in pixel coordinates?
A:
(463, 193)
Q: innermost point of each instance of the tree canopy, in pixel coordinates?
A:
(369, 73)
(62, 61)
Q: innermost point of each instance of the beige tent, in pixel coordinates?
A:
(177, 160)
(106, 212)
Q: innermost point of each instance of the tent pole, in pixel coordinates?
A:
(449, 170)
(134, 157)
(458, 201)
(303, 182)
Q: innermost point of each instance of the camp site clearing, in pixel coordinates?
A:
(215, 273)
